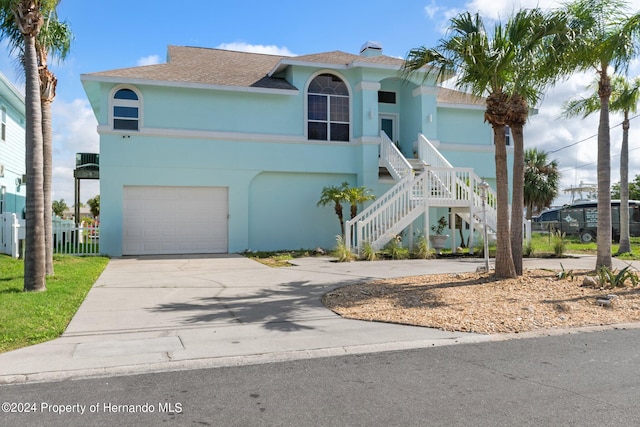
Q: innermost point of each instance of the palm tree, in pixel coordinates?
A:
(541, 179)
(625, 95)
(529, 31)
(604, 35)
(58, 207)
(26, 16)
(335, 194)
(54, 38)
(486, 65)
(356, 196)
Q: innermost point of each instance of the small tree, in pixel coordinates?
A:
(59, 206)
(634, 189)
(356, 196)
(94, 206)
(335, 194)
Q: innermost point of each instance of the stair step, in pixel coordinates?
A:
(416, 164)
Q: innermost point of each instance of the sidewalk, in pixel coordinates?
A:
(155, 314)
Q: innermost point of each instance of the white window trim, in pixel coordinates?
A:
(125, 103)
(306, 105)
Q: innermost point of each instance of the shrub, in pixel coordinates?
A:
(559, 244)
(341, 251)
(368, 254)
(395, 250)
(421, 249)
(529, 249)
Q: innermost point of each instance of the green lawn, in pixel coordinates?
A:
(28, 318)
(543, 245)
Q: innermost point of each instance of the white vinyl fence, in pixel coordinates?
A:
(68, 238)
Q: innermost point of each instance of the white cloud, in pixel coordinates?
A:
(149, 60)
(502, 9)
(74, 131)
(432, 9)
(256, 48)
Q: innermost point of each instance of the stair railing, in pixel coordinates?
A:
(430, 155)
(392, 158)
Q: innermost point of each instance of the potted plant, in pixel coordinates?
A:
(439, 240)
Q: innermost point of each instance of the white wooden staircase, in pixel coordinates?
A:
(431, 182)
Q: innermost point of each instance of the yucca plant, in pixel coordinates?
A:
(615, 279)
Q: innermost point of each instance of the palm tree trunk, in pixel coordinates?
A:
(338, 210)
(504, 267)
(34, 263)
(48, 83)
(517, 199)
(603, 257)
(625, 241)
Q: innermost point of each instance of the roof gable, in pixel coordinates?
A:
(206, 66)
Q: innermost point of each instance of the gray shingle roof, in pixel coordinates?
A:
(218, 67)
(450, 96)
(208, 67)
(342, 58)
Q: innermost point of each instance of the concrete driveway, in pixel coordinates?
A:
(167, 313)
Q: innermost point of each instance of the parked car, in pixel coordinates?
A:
(581, 219)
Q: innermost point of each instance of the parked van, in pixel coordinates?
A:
(581, 219)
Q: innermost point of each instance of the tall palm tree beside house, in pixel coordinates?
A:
(54, 39)
(605, 35)
(625, 95)
(335, 194)
(541, 180)
(26, 16)
(485, 64)
(529, 30)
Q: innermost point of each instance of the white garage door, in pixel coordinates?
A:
(174, 220)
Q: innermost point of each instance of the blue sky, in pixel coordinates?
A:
(112, 34)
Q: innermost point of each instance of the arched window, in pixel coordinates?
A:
(328, 109)
(126, 110)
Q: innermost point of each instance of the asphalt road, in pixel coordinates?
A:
(587, 379)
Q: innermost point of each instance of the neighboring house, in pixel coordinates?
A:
(219, 151)
(12, 149)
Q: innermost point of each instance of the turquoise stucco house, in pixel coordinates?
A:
(219, 151)
(12, 149)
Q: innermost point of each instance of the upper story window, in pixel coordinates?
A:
(386, 97)
(328, 109)
(126, 110)
(3, 125)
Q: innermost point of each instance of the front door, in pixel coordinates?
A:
(388, 125)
